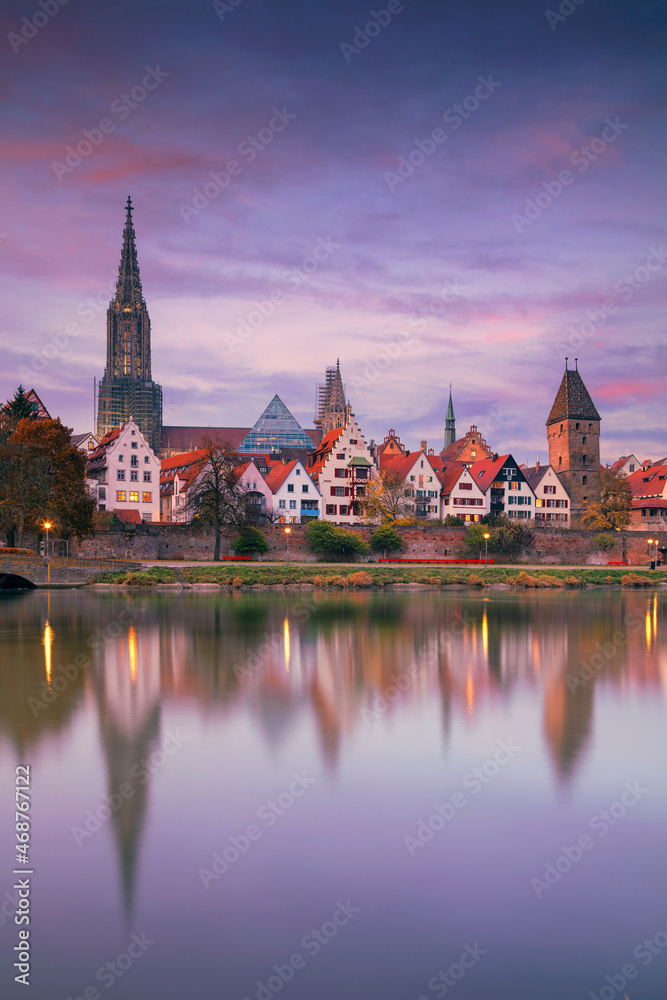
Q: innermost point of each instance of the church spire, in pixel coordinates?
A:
(128, 286)
(450, 422)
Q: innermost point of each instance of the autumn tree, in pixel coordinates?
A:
(385, 498)
(611, 508)
(42, 478)
(217, 496)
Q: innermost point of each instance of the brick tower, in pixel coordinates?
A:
(573, 432)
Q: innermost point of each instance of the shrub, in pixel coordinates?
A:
(249, 541)
(435, 581)
(634, 580)
(139, 580)
(512, 537)
(604, 541)
(526, 580)
(335, 544)
(5, 550)
(337, 581)
(386, 539)
(476, 581)
(237, 582)
(453, 521)
(574, 581)
(360, 579)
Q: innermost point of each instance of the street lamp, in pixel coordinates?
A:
(651, 561)
(47, 525)
(287, 532)
(486, 549)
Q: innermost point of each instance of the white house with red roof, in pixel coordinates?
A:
(296, 498)
(342, 467)
(180, 471)
(552, 503)
(123, 473)
(506, 487)
(420, 480)
(461, 495)
(649, 498)
(626, 465)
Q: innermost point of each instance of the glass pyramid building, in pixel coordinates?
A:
(275, 429)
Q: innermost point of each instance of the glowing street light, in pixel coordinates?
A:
(287, 532)
(651, 560)
(486, 549)
(47, 525)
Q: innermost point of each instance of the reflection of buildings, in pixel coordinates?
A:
(126, 681)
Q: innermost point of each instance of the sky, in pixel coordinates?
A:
(433, 191)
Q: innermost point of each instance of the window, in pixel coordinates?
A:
(146, 459)
(362, 473)
(515, 486)
(342, 455)
(421, 464)
(590, 427)
(550, 489)
(331, 508)
(353, 441)
(340, 473)
(539, 503)
(561, 428)
(120, 458)
(147, 477)
(583, 440)
(134, 497)
(120, 496)
(134, 443)
(338, 491)
(103, 493)
(465, 486)
(134, 460)
(412, 479)
(560, 459)
(344, 509)
(134, 476)
(429, 479)
(584, 479)
(583, 459)
(146, 497)
(133, 433)
(290, 487)
(632, 467)
(509, 473)
(298, 472)
(120, 473)
(304, 489)
(292, 505)
(576, 427)
(281, 503)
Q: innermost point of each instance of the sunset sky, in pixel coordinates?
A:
(428, 268)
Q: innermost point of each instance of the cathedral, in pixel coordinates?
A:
(127, 390)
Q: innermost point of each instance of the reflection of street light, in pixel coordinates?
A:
(47, 525)
(486, 553)
(287, 532)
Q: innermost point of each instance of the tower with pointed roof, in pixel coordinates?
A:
(333, 409)
(450, 422)
(127, 389)
(573, 432)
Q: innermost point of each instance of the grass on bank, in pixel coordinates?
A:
(381, 576)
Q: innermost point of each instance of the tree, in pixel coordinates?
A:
(216, 495)
(453, 521)
(475, 540)
(249, 541)
(42, 478)
(386, 539)
(604, 541)
(611, 509)
(20, 407)
(335, 543)
(385, 498)
(512, 537)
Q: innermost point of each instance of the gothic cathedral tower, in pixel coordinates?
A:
(573, 431)
(127, 389)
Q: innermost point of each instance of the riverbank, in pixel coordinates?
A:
(351, 576)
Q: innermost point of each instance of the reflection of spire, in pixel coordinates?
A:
(127, 685)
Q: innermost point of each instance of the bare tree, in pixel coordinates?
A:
(385, 498)
(217, 495)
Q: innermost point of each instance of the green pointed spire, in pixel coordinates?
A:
(450, 422)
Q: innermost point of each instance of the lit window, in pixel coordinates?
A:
(146, 497)
(120, 496)
(134, 497)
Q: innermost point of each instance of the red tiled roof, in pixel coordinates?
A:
(185, 458)
(649, 502)
(655, 484)
(486, 471)
(277, 475)
(450, 476)
(128, 516)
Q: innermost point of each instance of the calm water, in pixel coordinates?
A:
(338, 797)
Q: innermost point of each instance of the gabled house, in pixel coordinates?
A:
(460, 494)
(506, 486)
(87, 443)
(552, 504)
(649, 498)
(296, 497)
(342, 468)
(626, 465)
(392, 445)
(470, 448)
(180, 472)
(123, 473)
(420, 482)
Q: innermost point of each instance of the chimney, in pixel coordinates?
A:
(424, 446)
